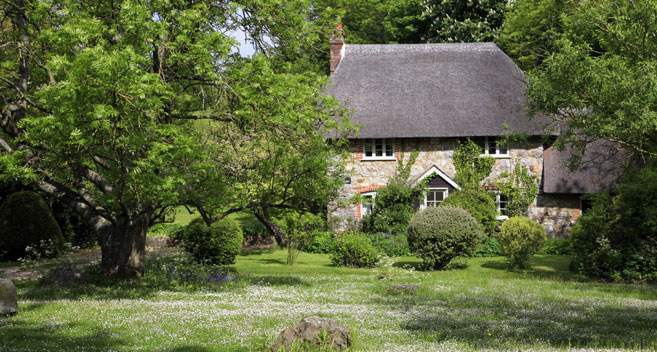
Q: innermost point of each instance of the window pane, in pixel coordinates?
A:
(492, 150)
(502, 148)
(481, 142)
(440, 196)
(388, 147)
(368, 147)
(378, 147)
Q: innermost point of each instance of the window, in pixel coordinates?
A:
(367, 204)
(434, 196)
(501, 201)
(378, 148)
(492, 146)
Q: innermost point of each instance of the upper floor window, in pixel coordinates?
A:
(492, 146)
(378, 148)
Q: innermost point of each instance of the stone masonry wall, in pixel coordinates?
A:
(556, 212)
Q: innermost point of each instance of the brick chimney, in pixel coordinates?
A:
(337, 44)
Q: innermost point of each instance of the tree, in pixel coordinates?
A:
(601, 83)
(462, 21)
(275, 156)
(530, 31)
(99, 100)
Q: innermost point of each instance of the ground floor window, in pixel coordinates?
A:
(434, 196)
(501, 202)
(367, 204)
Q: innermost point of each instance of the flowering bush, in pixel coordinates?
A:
(393, 245)
(354, 249)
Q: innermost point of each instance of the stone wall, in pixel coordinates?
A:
(556, 212)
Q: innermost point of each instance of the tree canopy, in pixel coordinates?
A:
(101, 105)
(601, 83)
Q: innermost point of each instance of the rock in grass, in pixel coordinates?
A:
(316, 331)
(8, 298)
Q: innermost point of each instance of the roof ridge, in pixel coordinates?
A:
(427, 47)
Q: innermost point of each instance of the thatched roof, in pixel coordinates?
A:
(432, 90)
(601, 167)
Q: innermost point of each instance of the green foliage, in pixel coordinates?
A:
(521, 238)
(355, 250)
(601, 81)
(520, 189)
(556, 246)
(320, 242)
(437, 235)
(218, 243)
(26, 220)
(299, 227)
(479, 204)
(490, 247)
(462, 21)
(617, 238)
(471, 167)
(393, 205)
(530, 31)
(390, 244)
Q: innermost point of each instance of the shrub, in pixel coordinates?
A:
(437, 235)
(479, 204)
(218, 243)
(617, 238)
(556, 246)
(521, 238)
(393, 245)
(490, 247)
(355, 250)
(320, 242)
(26, 220)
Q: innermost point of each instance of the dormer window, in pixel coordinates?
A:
(493, 147)
(378, 149)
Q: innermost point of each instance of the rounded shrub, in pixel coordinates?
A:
(355, 250)
(520, 239)
(320, 242)
(437, 235)
(218, 243)
(479, 204)
(26, 220)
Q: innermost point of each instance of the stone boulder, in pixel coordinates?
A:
(314, 330)
(8, 298)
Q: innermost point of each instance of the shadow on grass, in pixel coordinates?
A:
(271, 261)
(249, 252)
(408, 264)
(493, 321)
(276, 280)
(51, 337)
(551, 267)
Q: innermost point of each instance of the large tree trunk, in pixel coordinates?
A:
(263, 216)
(123, 250)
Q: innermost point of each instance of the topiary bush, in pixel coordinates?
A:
(393, 245)
(437, 235)
(521, 238)
(354, 250)
(479, 204)
(26, 220)
(218, 243)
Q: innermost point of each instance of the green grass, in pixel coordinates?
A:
(483, 306)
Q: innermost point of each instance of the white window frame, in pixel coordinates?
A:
(498, 206)
(366, 209)
(487, 143)
(429, 189)
(385, 143)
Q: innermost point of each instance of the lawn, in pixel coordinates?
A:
(483, 306)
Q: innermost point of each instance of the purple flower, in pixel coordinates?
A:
(248, 138)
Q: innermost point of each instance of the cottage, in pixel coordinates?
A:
(427, 97)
